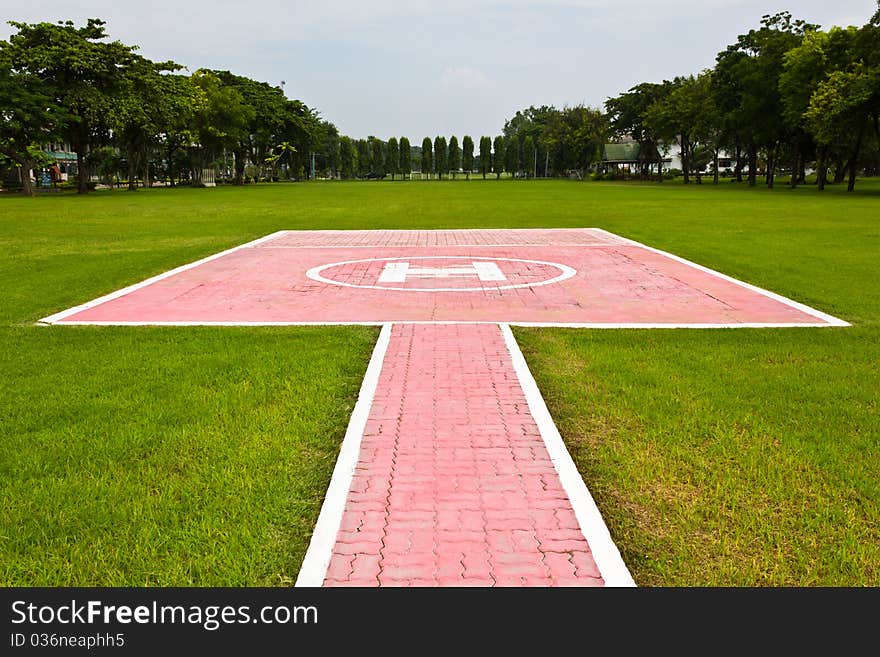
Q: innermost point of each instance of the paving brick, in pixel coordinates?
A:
(585, 565)
(341, 566)
(365, 547)
(566, 518)
(454, 486)
(563, 546)
(361, 536)
(359, 583)
(560, 565)
(397, 573)
(577, 582)
(365, 566)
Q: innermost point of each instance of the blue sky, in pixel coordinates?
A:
(419, 68)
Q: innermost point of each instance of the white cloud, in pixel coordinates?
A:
(465, 77)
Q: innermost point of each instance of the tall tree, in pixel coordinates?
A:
(531, 122)
(141, 114)
(512, 155)
(327, 150)
(364, 157)
(269, 120)
(392, 157)
(499, 156)
(181, 100)
(841, 109)
(221, 121)
(845, 108)
(627, 114)
(751, 69)
(687, 114)
(427, 158)
(575, 137)
(29, 113)
(485, 155)
(85, 73)
(378, 153)
(454, 157)
(467, 155)
(529, 156)
(348, 157)
(441, 157)
(405, 157)
(805, 68)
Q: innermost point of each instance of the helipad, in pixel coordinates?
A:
(579, 277)
(452, 472)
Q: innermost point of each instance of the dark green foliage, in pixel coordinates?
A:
(84, 74)
(529, 156)
(102, 93)
(512, 155)
(454, 158)
(364, 157)
(467, 155)
(785, 96)
(377, 151)
(347, 158)
(485, 155)
(441, 157)
(498, 156)
(427, 157)
(392, 157)
(405, 157)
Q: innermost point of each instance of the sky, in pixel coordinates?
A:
(423, 68)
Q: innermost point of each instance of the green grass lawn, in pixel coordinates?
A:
(176, 456)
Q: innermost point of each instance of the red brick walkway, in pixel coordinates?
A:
(454, 485)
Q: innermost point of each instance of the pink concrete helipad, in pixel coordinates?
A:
(565, 276)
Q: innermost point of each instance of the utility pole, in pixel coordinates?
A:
(535, 167)
(546, 162)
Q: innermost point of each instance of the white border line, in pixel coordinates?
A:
(382, 322)
(320, 551)
(51, 319)
(605, 553)
(832, 321)
(446, 246)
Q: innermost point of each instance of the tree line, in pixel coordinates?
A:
(786, 96)
(535, 143)
(119, 110)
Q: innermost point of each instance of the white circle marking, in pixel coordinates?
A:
(567, 272)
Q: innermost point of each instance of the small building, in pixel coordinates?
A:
(64, 157)
(626, 158)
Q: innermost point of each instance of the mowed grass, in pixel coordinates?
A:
(201, 455)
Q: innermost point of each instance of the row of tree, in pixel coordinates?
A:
(62, 83)
(536, 142)
(371, 157)
(786, 96)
